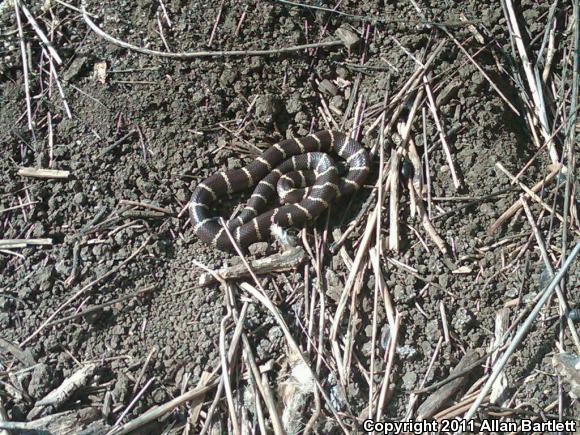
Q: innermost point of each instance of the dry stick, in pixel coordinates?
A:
(162, 35)
(433, 109)
(563, 304)
(375, 20)
(44, 173)
(39, 32)
(145, 205)
(437, 399)
(483, 73)
(199, 54)
(414, 396)
(16, 207)
(383, 116)
(394, 237)
(529, 192)
(358, 260)
(259, 410)
(158, 411)
(144, 368)
(427, 165)
(569, 191)
(345, 364)
(263, 387)
(262, 298)
(391, 358)
(24, 65)
(217, 20)
(379, 278)
(234, 343)
(284, 261)
(130, 406)
(444, 322)
(312, 420)
(537, 153)
(369, 232)
(517, 205)
(374, 259)
(226, 375)
(405, 90)
(84, 289)
(23, 243)
(551, 43)
(535, 85)
(60, 89)
(429, 228)
(391, 312)
(500, 364)
(394, 201)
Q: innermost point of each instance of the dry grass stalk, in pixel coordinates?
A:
(438, 398)
(529, 192)
(390, 360)
(501, 325)
(494, 227)
(264, 300)
(533, 81)
(500, 364)
(394, 201)
(564, 308)
(202, 54)
(24, 65)
(44, 173)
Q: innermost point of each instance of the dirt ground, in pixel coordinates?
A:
(144, 130)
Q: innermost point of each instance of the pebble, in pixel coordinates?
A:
(259, 248)
(337, 101)
(79, 198)
(327, 87)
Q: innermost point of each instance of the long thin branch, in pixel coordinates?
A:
(200, 54)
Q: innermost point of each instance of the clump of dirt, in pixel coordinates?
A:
(116, 285)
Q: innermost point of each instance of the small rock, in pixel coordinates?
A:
(228, 77)
(332, 278)
(337, 101)
(159, 396)
(259, 248)
(38, 386)
(349, 38)
(79, 198)
(121, 389)
(462, 320)
(327, 87)
(275, 333)
(403, 293)
(432, 330)
(232, 163)
(342, 72)
(294, 104)
(267, 107)
(409, 380)
(75, 67)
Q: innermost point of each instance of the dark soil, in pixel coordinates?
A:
(190, 119)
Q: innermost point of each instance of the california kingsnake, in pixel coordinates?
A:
(280, 162)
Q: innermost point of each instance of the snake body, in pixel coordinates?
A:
(279, 169)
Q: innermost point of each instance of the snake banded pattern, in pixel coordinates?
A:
(280, 168)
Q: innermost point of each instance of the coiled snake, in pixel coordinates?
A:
(279, 168)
